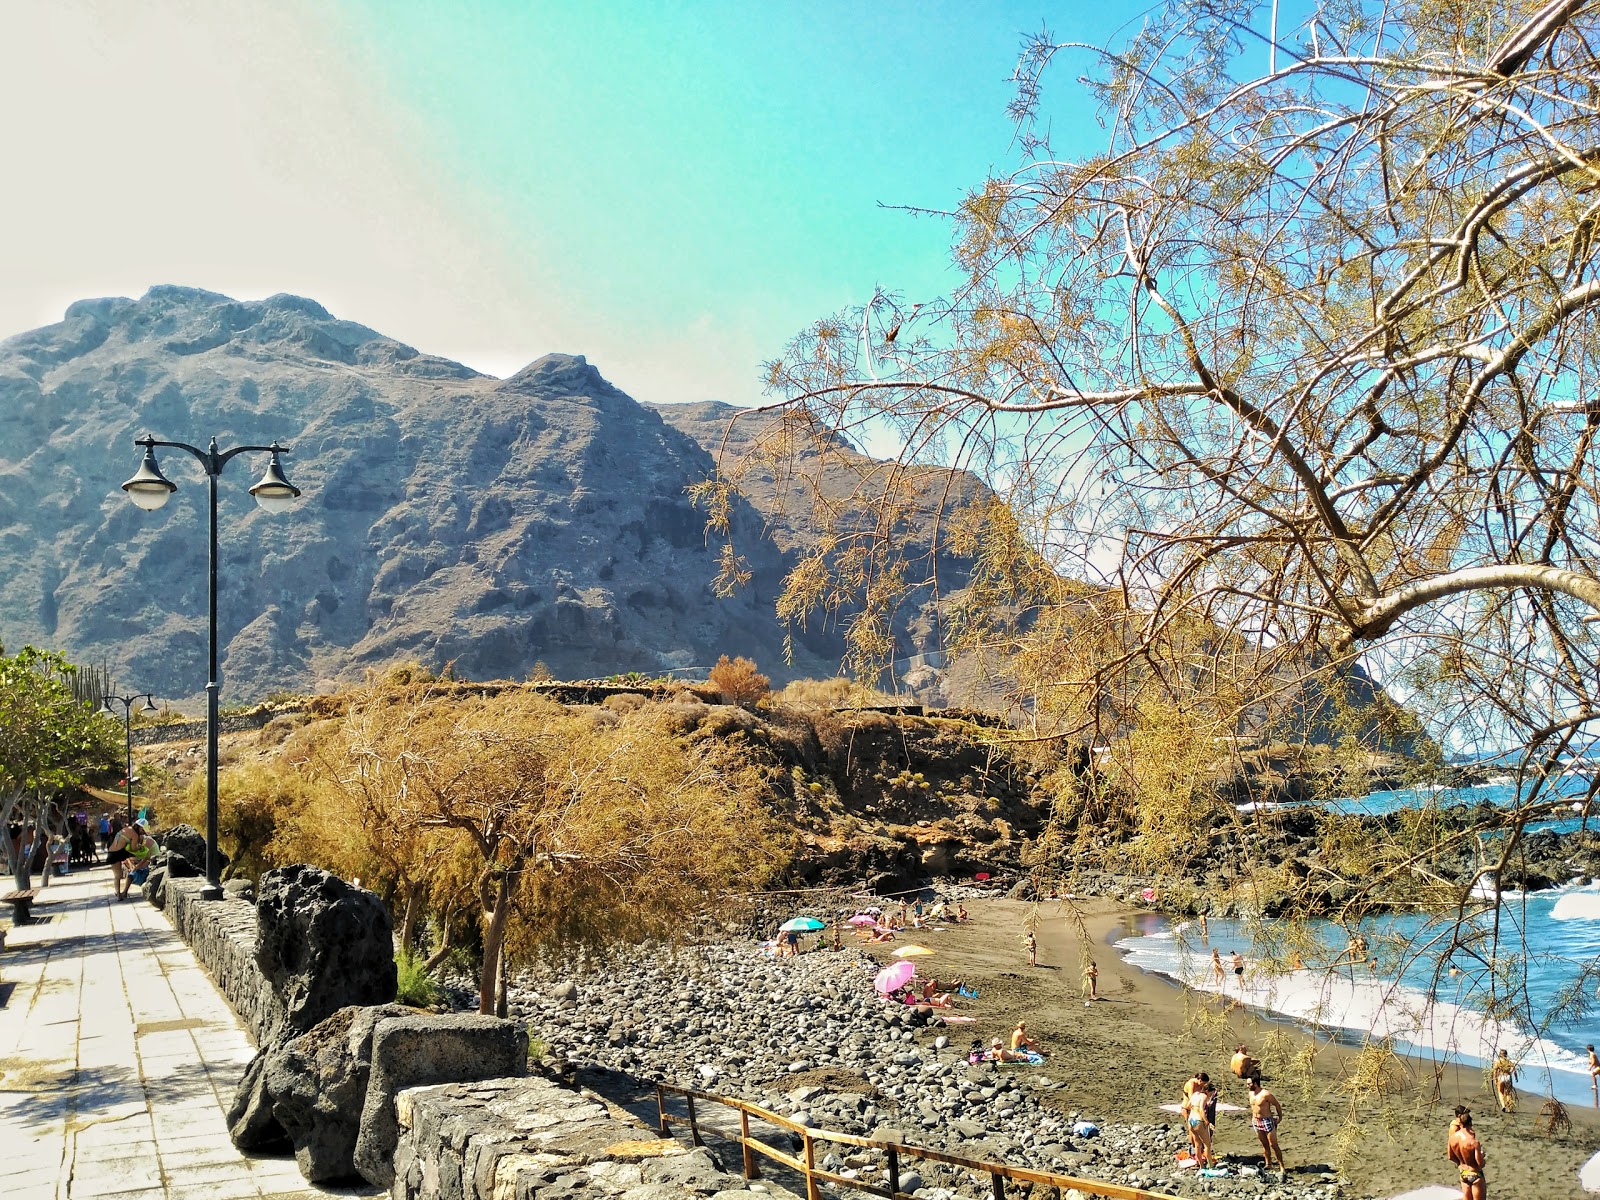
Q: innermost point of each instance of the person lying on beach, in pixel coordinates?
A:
(878, 936)
(1265, 1114)
(1466, 1151)
(999, 1053)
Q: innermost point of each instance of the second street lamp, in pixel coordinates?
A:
(127, 703)
(149, 489)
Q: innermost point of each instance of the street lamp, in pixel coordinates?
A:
(127, 703)
(149, 489)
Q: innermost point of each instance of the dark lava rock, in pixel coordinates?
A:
(322, 945)
(189, 844)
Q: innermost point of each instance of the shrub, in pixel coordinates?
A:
(738, 681)
(413, 984)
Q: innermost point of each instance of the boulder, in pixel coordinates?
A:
(322, 945)
(251, 1125)
(317, 1084)
(240, 889)
(188, 843)
(416, 1050)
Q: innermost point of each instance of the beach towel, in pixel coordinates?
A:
(969, 993)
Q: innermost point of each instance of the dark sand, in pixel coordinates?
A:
(1125, 1055)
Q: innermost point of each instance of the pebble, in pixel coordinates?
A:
(757, 1021)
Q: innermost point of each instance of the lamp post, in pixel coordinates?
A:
(127, 703)
(149, 489)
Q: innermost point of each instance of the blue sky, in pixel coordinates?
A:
(671, 189)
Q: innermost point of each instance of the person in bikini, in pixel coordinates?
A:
(1505, 1082)
(1195, 1105)
(1466, 1151)
(1265, 1115)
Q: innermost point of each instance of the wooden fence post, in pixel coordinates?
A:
(661, 1112)
(813, 1192)
(751, 1171)
(894, 1172)
(694, 1123)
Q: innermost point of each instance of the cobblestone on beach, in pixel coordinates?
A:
(806, 1037)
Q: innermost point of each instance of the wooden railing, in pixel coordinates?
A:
(893, 1151)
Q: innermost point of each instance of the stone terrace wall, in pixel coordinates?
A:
(222, 934)
(512, 1139)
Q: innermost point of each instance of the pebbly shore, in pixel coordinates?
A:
(806, 1037)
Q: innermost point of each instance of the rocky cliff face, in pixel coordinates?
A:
(446, 515)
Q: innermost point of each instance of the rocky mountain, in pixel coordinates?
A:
(446, 515)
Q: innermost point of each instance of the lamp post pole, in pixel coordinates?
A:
(149, 489)
(127, 703)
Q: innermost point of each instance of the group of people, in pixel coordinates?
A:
(45, 852)
(1199, 1111)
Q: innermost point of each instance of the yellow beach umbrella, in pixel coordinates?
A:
(911, 951)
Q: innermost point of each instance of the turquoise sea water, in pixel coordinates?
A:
(1551, 938)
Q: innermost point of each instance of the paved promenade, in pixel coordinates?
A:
(118, 1058)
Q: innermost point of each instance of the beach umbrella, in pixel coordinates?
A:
(911, 951)
(981, 876)
(894, 977)
(862, 919)
(801, 925)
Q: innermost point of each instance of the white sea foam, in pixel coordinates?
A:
(1379, 1007)
(1577, 906)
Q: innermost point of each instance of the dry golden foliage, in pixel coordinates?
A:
(738, 680)
(560, 829)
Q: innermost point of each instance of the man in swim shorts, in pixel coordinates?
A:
(1237, 961)
(1466, 1151)
(1265, 1115)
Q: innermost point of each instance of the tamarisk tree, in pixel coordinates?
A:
(1290, 372)
(580, 830)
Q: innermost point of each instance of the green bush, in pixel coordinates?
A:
(413, 984)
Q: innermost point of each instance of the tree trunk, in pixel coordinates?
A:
(500, 990)
(413, 913)
(493, 935)
(439, 955)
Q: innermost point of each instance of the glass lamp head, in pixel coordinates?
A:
(275, 493)
(149, 488)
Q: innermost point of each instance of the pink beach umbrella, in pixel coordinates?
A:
(894, 977)
(862, 919)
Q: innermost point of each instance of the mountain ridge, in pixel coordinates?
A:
(447, 515)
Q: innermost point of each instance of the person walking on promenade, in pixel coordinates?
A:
(1265, 1115)
(1466, 1151)
(130, 844)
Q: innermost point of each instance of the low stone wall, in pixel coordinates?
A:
(514, 1139)
(222, 934)
(190, 731)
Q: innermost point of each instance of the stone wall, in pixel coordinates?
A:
(512, 1139)
(192, 731)
(222, 934)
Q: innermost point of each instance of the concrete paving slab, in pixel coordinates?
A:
(118, 1057)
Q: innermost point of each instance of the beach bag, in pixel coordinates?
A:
(138, 875)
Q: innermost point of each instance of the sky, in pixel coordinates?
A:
(672, 189)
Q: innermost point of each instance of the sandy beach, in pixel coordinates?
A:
(1125, 1055)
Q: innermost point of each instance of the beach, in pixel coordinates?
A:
(1129, 1052)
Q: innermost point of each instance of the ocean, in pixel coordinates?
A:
(1553, 936)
